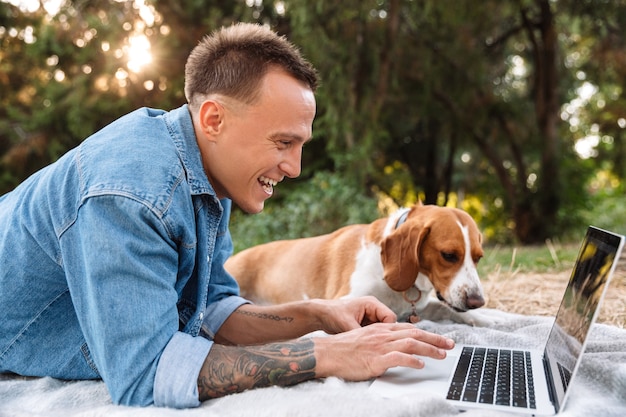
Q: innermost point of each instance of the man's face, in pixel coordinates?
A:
(248, 149)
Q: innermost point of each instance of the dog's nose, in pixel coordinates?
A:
(474, 301)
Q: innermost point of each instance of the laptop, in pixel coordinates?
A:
(480, 376)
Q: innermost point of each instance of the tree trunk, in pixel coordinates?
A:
(537, 219)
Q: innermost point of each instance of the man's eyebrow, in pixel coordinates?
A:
(292, 136)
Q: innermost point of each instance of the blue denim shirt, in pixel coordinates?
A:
(111, 263)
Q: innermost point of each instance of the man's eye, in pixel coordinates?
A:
(450, 257)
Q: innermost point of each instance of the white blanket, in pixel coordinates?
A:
(598, 389)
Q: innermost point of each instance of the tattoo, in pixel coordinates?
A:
(264, 316)
(231, 369)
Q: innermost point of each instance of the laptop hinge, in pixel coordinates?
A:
(550, 382)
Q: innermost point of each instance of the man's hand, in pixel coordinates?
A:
(338, 316)
(368, 352)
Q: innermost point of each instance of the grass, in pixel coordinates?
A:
(531, 280)
(548, 258)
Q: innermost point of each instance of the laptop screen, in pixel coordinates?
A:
(594, 266)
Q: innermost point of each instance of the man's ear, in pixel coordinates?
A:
(211, 117)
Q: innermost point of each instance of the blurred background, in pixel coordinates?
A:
(513, 110)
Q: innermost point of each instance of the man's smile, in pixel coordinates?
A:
(267, 184)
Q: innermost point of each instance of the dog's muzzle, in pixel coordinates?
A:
(472, 301)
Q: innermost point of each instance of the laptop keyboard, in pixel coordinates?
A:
(493, 376)
(565, 375)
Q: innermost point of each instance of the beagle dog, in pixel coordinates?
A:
(400, 260)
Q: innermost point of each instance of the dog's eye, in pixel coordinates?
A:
(450, 257)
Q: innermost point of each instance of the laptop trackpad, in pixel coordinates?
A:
(434, 377)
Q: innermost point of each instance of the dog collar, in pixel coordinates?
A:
(413, 316)
(402, 218)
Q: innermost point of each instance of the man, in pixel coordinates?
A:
(111, 259)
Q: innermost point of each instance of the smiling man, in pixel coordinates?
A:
(272, 129)
(111, 259)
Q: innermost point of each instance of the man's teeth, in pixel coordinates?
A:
(268, 181)
(268, 184)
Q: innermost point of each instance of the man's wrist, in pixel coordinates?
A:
(316, 311)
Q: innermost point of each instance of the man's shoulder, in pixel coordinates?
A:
(134, 155)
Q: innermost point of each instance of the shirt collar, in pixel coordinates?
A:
(181, 129)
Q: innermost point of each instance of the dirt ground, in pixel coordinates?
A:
(540, 294)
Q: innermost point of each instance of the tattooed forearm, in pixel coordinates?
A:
(264, 316)
(229, 369)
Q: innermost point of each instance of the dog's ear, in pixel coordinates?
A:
(400, 256)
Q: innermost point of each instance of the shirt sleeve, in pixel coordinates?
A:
(217, 313)
(184, 355)
(174, 384)
(121, 268)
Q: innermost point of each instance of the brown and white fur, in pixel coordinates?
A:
(399, 259)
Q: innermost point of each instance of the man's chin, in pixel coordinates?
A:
(251, 208)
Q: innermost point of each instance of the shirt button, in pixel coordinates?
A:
(201, 316)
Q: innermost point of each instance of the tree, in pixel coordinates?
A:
(523, 153)
(417, 97)
(425, 84)
(63, 83)
(595, 32)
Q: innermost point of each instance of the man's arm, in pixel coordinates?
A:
(251, 324)
(254, 324)
(262, 356)
(229, 369)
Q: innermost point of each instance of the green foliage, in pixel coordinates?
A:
(417, 99)
(606, 206)
(321, 205)
(608, 213)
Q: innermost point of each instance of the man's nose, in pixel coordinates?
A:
(292, 165)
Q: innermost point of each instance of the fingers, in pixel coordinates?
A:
(413, 346)
(349, 314)
(376, 311)
(394, 359)
(405, 338)
(373, 311)
(380, 346)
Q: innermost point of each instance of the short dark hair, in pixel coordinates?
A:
(233, 60)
